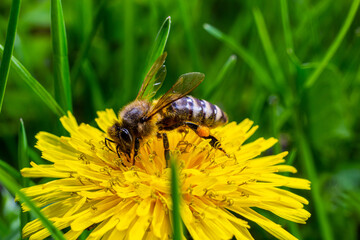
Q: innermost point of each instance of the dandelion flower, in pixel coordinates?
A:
(96, 189)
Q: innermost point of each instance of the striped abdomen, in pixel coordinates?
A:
(198, 111)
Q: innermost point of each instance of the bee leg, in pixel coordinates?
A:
(136, 149)
(166, 148)
(106, 143)
(117, 151)
(204, 132)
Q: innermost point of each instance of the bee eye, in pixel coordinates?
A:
(125, 135)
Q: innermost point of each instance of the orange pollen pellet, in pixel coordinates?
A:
(203, 131)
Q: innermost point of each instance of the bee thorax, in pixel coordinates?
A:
(132, 115)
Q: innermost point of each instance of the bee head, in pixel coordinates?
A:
(122, 136)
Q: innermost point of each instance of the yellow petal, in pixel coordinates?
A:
(139, 228)
(104, 227)
(106, 119)
(128, 215)
(158, 218)
(69, 123)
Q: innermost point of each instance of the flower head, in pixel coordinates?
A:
(95, 188)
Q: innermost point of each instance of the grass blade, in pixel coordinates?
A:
(9, 46)
(175, 196)
(335, 45)
(258, 69)
(268, 48)
(286, 25)
(238, 31)
(60, 53)
(10, 170)
(228, 66)
(23, 151)
(23, 162)
(14, 188)
(44, 95)
(291, 159)
(85, 46)
(287, 33)
(159, 44)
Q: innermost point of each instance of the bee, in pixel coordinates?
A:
(145, 118)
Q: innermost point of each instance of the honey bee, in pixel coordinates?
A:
(145, 118)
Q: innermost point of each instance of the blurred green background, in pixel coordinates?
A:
(290, 66)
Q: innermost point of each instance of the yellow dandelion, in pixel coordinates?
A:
(96, 189)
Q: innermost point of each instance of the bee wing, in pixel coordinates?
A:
(183, 86)
(154, 79)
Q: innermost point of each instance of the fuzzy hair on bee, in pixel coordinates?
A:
(130, 118)
(145, 117)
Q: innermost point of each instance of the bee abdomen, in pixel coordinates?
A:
(199, 111)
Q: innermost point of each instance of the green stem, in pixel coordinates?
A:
(175, 196)
(309, 164)
(8, 48)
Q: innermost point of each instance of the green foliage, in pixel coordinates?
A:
(39, 90)
(9, 221)
(9, 46)
(8, 182)
(291, 66)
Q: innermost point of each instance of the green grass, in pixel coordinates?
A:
(8, 182)
(335, 45)
(262, 74)
(60, 56)
(23, 162)
(9, 46)
(291, 66)
(36, 87)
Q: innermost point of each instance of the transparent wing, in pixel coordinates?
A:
(183, 86)
(156, 83)
(154, 79)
